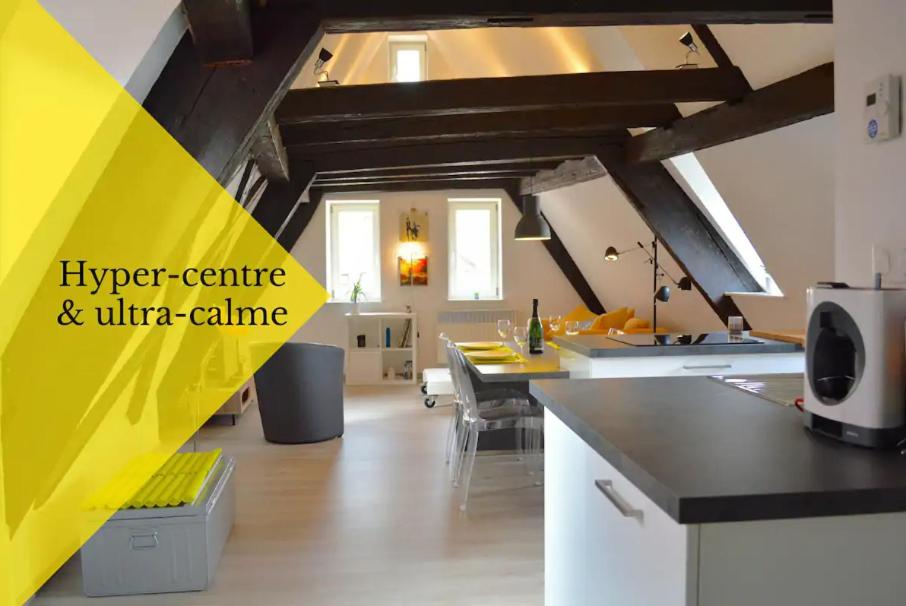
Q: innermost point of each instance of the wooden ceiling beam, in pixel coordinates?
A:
(570, 172)
(504, 174)
(490, 152)
(511, 168)
(783, 103)
(269, 153)
(547, 122)
(222, 30)
(415, 15)
(215, 112)
(418, 185)
(482, 95)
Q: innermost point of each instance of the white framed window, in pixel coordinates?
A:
(408, 58)
(353, 248)
(474, 249)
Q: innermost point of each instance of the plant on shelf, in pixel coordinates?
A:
(356, 293)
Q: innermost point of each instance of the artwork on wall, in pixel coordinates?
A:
(413, 271)
(413, 258)
(414, 226)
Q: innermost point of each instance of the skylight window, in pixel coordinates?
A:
(690, 170)
(408, 59)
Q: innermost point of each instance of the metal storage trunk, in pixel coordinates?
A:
(165, 549)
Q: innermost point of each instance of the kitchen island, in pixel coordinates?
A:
(684, 491)
(646, 355)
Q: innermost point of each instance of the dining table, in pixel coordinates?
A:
(512, 375)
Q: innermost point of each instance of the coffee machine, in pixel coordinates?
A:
(855, 365)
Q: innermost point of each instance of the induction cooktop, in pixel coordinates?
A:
(705, 338)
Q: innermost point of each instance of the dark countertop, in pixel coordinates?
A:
(705, 452)
(602, 346)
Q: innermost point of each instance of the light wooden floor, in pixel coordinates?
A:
(369, 519)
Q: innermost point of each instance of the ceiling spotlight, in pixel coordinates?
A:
(323, 57)
(611, 254)
(692, 49)
(321, 75)
(689, 42)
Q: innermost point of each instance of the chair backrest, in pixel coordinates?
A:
(459, 370)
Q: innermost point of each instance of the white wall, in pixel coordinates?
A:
(780, 186)
(594, 215)
(528, 270)
(132, 40)
(870, 179)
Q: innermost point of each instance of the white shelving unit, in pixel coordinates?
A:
(371, 364)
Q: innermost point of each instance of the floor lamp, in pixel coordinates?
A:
(661, 293)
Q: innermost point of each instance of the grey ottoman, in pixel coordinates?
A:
(300, 393)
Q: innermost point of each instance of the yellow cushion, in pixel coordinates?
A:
(636, 323)
(579, 314)
(613, 319)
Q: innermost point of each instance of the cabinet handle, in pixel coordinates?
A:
(140, 542)
(627, 510)
(706, 366)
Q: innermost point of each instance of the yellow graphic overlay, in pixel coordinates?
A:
(90, 179)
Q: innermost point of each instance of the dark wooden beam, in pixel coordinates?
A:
(685, 231)
(789, 101)
(479, 95)
(511, 169)
(269, 153)
(570, 172)
(299, 220)
(280, 199)
(496, 151)
(418, 185)
(214, 112)
(547, 122)
(416, 15)
(221, 29)
(558, 252)
(714, 48)
(368, 180)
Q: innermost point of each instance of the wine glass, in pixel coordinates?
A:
(554, 322)
(503, 329)
(572, 328)
(520, 335)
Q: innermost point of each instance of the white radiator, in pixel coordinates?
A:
(470, 325)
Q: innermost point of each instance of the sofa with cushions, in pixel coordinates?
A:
(622, 319)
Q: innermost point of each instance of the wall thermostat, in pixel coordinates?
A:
(882, 109)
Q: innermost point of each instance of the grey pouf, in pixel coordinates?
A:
(300, 393)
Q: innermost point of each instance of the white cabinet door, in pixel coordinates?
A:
(636, 555)
(564, 514)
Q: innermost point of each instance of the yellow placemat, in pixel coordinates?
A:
(177, 482)
(501, 356)
(480, 345)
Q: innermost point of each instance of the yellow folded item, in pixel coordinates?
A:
(553, 345)
(177, 482)
(510, 359)
(479, 345)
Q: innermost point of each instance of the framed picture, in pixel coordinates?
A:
(414, 226)
(413, 272)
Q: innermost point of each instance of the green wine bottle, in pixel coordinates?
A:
(535, 331)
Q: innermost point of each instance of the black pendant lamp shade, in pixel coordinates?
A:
(662, 294)
(611, 254)
(532, 226)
